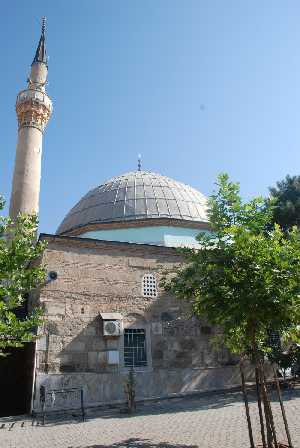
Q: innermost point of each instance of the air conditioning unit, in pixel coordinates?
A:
(111, 328)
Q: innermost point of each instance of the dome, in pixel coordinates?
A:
(137, 195)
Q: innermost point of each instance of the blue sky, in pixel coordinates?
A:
(197, 87)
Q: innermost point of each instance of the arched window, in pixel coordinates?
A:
(149, 286)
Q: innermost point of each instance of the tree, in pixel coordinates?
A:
(18, 276)
(286, 357)
(245, 278)
(286, 211)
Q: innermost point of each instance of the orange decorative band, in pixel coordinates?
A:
(32, 113)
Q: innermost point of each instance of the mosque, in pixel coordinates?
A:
(105, 312)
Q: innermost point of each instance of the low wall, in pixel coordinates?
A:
(101, 388)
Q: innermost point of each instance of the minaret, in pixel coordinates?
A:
(33, 107)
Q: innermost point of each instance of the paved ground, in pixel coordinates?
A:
(206, 422)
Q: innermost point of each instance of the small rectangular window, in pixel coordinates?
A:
(135, 348)
(149, 286)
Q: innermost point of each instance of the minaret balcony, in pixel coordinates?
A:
(34, 96)
(33, 109)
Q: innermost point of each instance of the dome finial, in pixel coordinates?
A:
(139, 162)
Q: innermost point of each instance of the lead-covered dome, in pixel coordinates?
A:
(138, 195)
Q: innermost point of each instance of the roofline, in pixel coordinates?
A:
(46, 236)
(123, 224)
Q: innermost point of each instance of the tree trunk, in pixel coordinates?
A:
(271, 433)
(283, 410)
(261, 418)
(268, 409)
(246, 406)
(260, 384)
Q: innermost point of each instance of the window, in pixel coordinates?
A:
(149, 288)
(135, 348)
(273, 340)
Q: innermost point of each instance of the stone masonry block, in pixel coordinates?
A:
(54, 308)
(75, 346)
(112, 343)
(97, 344)
(64, 359)
(41, 343)
(90, 331)
(55, 343)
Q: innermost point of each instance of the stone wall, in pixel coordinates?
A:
(96, 277)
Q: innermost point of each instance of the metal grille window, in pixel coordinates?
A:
(135, 348)
(149, 286)
(274, 339)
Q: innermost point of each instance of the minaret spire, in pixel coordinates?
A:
(43, 24)
(34, 108)
(41, 54)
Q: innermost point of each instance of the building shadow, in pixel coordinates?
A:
(137, 443)
(194, 403)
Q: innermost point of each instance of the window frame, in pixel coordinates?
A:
(149, 277)
(133, 334)
(138, 323)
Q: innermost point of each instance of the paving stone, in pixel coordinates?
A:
(205, 422)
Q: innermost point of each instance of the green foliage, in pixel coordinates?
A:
(245, 278)
(287, 208)
(285, 359)
(19, 274)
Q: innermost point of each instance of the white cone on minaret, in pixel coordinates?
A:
(33, 108)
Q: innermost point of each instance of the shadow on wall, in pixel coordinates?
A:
(179, 356)
(138, 443)
(76, 343)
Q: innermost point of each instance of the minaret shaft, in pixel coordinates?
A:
(33, 109)
(27, 174)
